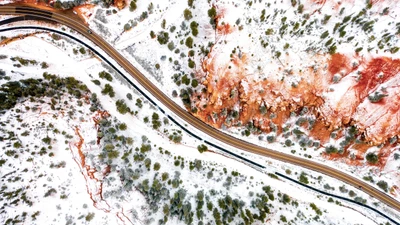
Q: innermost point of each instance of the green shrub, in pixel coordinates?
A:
(108, 89)
(171, 45)
(82, 51)
(96, 82)
(152, 34)
(147, 163)
(122, 107)
(163, 37)
(47, 140)
(212, 12)
(139, 103)
(51, 191)
(123, 126)
(113, 154)
(195, 83)
(202, 148)
(383, 185)
(44, 65)
(163, 23)
(331, 149)
(376, 97)
(156, 166)
(155, 120)
(303, 178)
(129, 96)
(189, 42)
(105, 75)
(193, 26)
(89, 216)
(127, 27)
(316, 209)
(372, 158)
(191, 64)
(164, 176)
(187, 14)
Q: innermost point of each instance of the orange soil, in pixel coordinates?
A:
(340, 63)
(84, 11)
(19, 37)
(320, 132)
(120, 4)
(394, 190)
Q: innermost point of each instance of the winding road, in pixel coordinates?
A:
(193, 121)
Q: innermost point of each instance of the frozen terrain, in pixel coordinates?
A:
(89, 149)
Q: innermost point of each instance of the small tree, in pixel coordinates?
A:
(109, 147)
(132, 6)
(44, 65)
(82, 51)
(383, 185)
(108, 89)
(202, 148)
(195, 83)
(89, 216)
(122, 107)
(155, 121)
(171, 45)
(372, 158)
(104, 75)
(163, 37)
(129, 96)
(193, 26)
(123, 126)
(127, 27)
(285, 198)
(147, 163)
(47, 140)
(212, 13)
(331, 149)
(189, 42)
(303, 178)
(157, 166)
(163, 23)
(187, 14)
(164, 176)
(152, 34)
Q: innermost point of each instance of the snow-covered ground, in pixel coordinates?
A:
(259, 32)
(69, 177)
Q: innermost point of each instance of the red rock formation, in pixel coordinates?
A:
(337, 95)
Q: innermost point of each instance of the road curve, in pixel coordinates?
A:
(183, 114)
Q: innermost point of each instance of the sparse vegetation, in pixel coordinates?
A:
(372, 158)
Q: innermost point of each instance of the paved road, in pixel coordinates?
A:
(212, 132)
